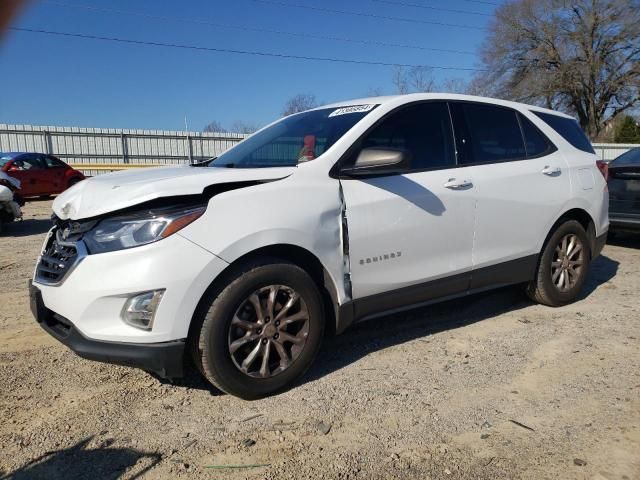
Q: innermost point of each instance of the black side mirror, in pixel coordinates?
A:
(379, 161)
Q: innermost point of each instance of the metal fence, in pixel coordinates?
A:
(609, 151)
(100, 150)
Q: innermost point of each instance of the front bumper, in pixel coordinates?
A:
(164, 359)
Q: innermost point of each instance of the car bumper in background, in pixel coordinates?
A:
(624, 221)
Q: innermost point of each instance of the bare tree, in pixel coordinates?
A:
(414, 79)
(581, 56)
(454, 85)
(215, 127)
(299, 103)
(242, 127)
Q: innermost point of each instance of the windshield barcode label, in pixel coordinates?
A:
(351, 109)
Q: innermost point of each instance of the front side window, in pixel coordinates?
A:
(298, 138)
(486, 133)
(29, 162)
(568, 129)
(423, 130)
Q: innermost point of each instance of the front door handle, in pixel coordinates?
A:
(551, 171)
(455, 184)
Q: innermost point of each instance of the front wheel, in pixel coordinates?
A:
(263, 330)
(563, 265)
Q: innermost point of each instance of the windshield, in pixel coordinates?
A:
(298, 138)
(4, 160)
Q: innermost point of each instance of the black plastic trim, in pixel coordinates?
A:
(164, 359)
(495, 276)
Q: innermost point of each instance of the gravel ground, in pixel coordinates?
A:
(491, 386)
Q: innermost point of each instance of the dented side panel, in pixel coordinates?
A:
(304, 210)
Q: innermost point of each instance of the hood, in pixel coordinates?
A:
(115, 191)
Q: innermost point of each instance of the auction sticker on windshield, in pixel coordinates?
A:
(351, 109)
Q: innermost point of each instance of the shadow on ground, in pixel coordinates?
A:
(384, 332)
(80, 462)
(27, 227)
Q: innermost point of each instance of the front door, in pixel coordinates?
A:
(410, 229)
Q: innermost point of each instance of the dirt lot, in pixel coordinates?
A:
(491, 386)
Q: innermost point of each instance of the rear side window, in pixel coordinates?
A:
(486, 133)
(53, 162)
(536, 143)
(568, 129)
(424, 130)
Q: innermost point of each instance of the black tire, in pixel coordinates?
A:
(212, 343)
(543, 289)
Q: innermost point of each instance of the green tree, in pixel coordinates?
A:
(628, 131)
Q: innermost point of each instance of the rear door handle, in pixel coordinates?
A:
(455, 184)
(551, 171)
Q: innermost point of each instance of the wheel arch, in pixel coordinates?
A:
(581, 216)
(295, 254)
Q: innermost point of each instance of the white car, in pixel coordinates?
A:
(319, 220)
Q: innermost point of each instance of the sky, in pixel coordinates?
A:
(65, 81)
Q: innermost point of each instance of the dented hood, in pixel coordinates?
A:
(115, 191)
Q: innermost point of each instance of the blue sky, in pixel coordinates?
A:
(75, 82)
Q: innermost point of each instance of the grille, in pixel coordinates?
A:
(57, 259)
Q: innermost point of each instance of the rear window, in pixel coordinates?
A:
(568, 129)
(627, 159)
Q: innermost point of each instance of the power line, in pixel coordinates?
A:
(239, 52)
(259, 29)
(369, 15)
(429, 7)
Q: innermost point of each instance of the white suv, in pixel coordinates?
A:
(321, 219)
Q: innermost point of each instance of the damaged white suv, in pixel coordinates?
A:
(321, 219)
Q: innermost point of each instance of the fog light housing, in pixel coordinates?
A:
(140, 310)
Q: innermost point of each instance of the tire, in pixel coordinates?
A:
(233, 330)
(554, 284)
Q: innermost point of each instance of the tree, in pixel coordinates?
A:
(242, 127)
(299, 103)
(414, 79)
(215, 127)
(627, 131)
(581, 56)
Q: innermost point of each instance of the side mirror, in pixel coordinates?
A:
(379, 161)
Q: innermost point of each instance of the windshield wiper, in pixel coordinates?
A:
(202, 163)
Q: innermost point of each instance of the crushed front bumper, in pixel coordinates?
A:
(165, 359)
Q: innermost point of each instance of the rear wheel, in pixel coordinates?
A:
(563, 265)
(262, 331)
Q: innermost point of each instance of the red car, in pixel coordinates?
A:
(39, 174)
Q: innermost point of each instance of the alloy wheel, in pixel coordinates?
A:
(268, 331)
(568, 262)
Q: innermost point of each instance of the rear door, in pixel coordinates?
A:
(521, 181)
(624, 187)
(406, 230)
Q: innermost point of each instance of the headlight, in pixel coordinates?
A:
(140, 228)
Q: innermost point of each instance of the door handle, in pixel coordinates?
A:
(455, 184)
(551, 171)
